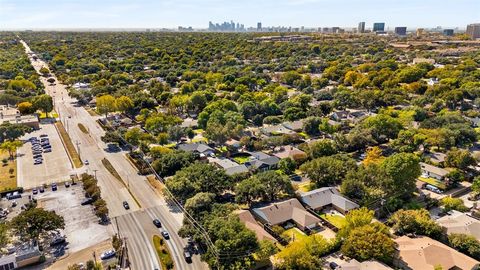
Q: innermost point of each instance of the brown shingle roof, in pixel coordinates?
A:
(278, 213)
(426, 253)
(247, 218)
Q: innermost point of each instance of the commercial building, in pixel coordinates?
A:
(401, 31)
(378, 27)
(13, 116)
(361, 27)
(448, 32)
(473, 30)
(259, 26)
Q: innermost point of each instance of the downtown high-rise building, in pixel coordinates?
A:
(361, 27)
(401, 31)
(259, 26)
(448, 32)
(473, 30)
(378, 27)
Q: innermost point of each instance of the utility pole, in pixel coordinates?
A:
(95, 172)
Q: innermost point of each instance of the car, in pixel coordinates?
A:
(165, 235)
(87, 201)
(125, 205)
(57, 240)
(67, 184)
(157, 223)
(34, 191)
(37, 163)
(107, 254)
(41, 189)
(333, 265)
(187, 256)
(47, 150)
(86, 162)
(43, 136)
(54, 187)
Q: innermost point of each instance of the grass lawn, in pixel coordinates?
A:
(7, 180)
(198, 131)
(196, 140)
(305, 187)
(433, 182)
(337, 220)
(92, 112)
(241, 159)
(82, 128)
(71, 150)
(294, 233)
(304, 135)
(170, 145)
(163, 252)
(52, 115)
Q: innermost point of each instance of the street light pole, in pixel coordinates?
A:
(95, 172)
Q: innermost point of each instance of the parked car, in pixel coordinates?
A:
(157, 223)
(87, 201)
(41, 189)
(54, 187)
(187, 256)
(34, 191)
(107, 254)
(57, 240)
(67, 184)
(125, 205)
(86, 162)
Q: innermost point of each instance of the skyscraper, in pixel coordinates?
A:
(473, 30)
(401, 31)
(259, 26)
(361, 27)
(378, 27)
(448, 32)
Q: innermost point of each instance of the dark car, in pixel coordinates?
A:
(125, 205)
(34, 191)
(41, 189)
(54, 187)
(333, 265)
(57, 240)
(67, 184)
(187, 256)
(157, 223)
(87, 201)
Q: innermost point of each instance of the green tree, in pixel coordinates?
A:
(404, 169)
(12, 132)
(287, 165)
(414, 221)
(467, 244)
(11, 147)
(305, 254)
(450, 203)
(320, 148)
(106, 104)
(367, 242)
(44, 103)
(123, 104)
(326, 171)
(355, 219)
(36, 222)
(169, 163)
(25, 107)
(460, 159)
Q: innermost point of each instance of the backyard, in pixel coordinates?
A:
(8, 172)
(434, 182)
(293, 234)
(335, 219)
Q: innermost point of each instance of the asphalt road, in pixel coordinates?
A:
(134, 223)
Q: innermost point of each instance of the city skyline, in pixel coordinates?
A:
(21, 14)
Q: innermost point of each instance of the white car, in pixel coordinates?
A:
(107, 254)
(86, 162)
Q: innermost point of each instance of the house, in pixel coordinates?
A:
(433, 171)
(27, 254)
(230, 167)
(236, 144)
(425, 253)
(286, 211)
(289, 151)
(365, 265)
(436, 157)
(349, 115)
(189, 123)
(458, 222)
(475, 121)
(247, 218)
(276, 130)
(320, 198)
(262, 162)
(196, 148)
(294, 125)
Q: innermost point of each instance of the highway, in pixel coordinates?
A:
(136, 223)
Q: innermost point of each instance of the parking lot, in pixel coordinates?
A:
(55, 166)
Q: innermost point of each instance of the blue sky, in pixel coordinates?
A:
(197, 13)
